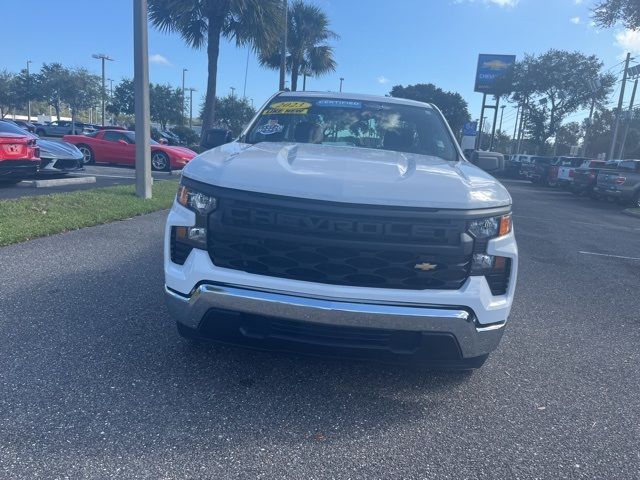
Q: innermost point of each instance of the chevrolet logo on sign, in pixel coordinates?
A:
(425, 267)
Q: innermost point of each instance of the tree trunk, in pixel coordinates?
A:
(295, 67)
(213, 51)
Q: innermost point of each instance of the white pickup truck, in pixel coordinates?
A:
(343, 225)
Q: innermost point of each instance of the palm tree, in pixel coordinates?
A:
(257, 23)
(307, 52)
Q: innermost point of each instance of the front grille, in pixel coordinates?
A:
(179, 251)
(312, 338)
(340, 245)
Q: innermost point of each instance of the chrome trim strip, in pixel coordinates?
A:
(474, 341)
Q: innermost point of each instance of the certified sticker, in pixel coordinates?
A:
(287, 108)
(269, 128)
(339, 103)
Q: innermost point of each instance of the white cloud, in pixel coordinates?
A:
(503, 3)
(159, 60)
(575, 20)
(578, 2)
(629, 41)
(382, 79)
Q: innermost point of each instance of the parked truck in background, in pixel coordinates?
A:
(621, 184)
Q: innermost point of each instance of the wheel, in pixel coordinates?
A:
(87, 154)
(160, 161)
(635, 202)
(40, 132)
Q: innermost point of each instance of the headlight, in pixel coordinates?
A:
(484, 228)
(198, 202)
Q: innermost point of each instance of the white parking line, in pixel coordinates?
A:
(611, 256)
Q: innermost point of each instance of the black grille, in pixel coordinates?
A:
(179, 251)
(311, 338)
(499, 281)
(340, 245)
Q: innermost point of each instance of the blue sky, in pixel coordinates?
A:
(382, 43)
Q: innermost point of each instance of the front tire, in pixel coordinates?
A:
(160, 162)
(87, 154)
(635, 202)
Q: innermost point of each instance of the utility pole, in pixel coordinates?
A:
(110, 80)
(501, 117)
(515, 129)
(341, 80)
(141, 88)
(523, 113)
(495, 120)
(614, 137)
(184, 70)
(629, 117)
(283, 47)
(246, 73)
(191, 90)
(28, 92)
(103, 58)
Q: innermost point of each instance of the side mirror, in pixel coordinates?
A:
(163, 141)
(488, 161)
(122, 142)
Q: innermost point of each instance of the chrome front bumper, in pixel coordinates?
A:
(474, 340)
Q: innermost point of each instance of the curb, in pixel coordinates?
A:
(630, 213)
(58, 182)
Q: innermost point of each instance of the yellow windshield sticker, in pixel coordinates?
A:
(287, 108)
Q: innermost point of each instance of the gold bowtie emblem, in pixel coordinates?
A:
(425, 267)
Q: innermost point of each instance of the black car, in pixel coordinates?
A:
(28, 126)
(538, 170)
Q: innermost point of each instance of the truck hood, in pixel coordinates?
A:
(349, 175)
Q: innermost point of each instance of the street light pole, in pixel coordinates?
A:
(283, 47)
(184, 70)
(102, 57)
(28, 92)
(191, 90)
(341, 80)
(141, 89)
(233, 92)
(110, 80)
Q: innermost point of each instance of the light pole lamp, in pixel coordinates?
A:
(28, 91)
(341, 80)
(102, 57)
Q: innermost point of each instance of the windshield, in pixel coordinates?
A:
(354, 123)
(132, 138)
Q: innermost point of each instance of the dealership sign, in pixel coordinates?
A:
(491, 70)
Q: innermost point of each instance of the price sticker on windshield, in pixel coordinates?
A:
(287, 108)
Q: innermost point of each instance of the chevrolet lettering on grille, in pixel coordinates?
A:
(321, 224)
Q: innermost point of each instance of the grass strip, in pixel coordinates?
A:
(30, 217)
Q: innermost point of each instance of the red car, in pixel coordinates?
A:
(118, 146)
(19, 157)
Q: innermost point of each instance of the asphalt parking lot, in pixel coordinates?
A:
(95, 383)
(105, 176)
